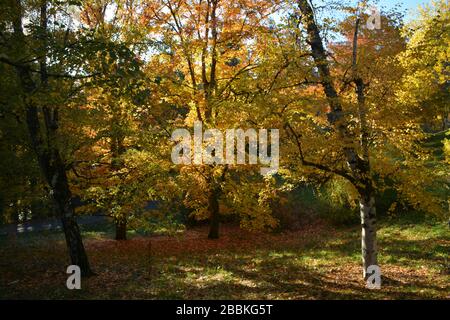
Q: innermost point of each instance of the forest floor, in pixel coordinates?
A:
(317, 262)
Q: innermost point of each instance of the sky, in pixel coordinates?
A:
(409, 5)
(406, 3)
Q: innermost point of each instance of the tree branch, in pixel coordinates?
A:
(319, 166)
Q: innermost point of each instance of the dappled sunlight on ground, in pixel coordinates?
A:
(316, 262)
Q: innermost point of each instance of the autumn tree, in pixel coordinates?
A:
(208, 53)
(336, 102)
(112, 117)
(361, 129)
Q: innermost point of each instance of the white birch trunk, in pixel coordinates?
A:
(369, 233)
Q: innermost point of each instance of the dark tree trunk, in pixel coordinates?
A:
(117, 150)
(56, 177)
(214, 215)
(121, 230)
(54, 171)
(75, 245)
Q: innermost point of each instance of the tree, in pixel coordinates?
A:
(346, 146)
(42, 115)
(107, 169)
(340, 143)
(366, 132)
(207, 51)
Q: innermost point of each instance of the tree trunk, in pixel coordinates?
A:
(54, 171)
(56, 177)
(214, 215)
(369, 232)
(121, 230)
(117, 150)
(75, 245)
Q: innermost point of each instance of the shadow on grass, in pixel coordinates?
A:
(287, 266)
(226, 277)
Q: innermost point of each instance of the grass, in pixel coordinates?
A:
(316, 262)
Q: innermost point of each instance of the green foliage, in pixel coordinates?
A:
(339, 203)
(158, 222)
